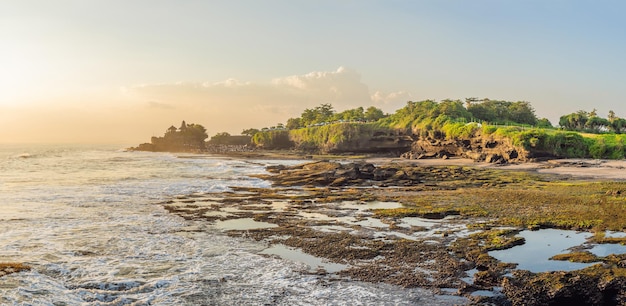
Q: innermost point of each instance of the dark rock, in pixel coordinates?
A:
(495, 159)
(477, 148)
(367, 168)
(384, 173)
(275, 168)
(348, 173)
(322, 165)
(340, 181)
(562, 288)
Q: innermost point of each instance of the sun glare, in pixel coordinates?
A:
(14, 78)
(21, 76)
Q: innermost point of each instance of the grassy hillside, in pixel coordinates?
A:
(334, 137)
(448, 119)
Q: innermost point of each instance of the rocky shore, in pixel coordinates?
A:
(432, 226)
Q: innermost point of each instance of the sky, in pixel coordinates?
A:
(121, 71)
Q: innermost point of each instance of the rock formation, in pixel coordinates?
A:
(487, 149)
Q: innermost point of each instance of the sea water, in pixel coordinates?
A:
(88, 222)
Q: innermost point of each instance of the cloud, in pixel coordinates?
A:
(342, 86)
(391, 98)
(232, 105)
(135, 113)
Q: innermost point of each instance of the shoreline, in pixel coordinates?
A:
(381, 217)
(579, 168)
(586, 169)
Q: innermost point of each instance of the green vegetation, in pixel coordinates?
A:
(583, 121)
(429, 114)
(327, 137)
(225, 138)
(323, 129)
(273, 139)
(600, 237)
(249, 132)
(520, 199)
(498, 239)
(325, 114)
(584, 257)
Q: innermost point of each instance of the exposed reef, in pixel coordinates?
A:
(430, 227)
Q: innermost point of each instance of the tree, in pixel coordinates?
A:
(293, 123)
(544, 123)
(355, 114)
(220, 138)
(249, 132)
(597, 124)
(373, 114)
(470, 101)
(325, 111)
(618, 125)
(308, 117)
(574, 121)
(611, 116)
(482, 112)
(453, 109)
(521, 112)
(320, 114)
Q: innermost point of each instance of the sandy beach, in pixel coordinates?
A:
(592, 169)
(580, 168)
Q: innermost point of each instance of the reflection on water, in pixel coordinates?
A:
(371, 205)
(84, 218)
(371, 222)
(416, 221)
(242, 224)
(540, 246)
(296, 255)
(608, 249)
(610, 234)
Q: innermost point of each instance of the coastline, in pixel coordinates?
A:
(382, 216)
(585, 169)
(579, 168)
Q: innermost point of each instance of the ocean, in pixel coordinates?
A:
(87, 219)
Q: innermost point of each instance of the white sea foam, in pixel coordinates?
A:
(86, 220)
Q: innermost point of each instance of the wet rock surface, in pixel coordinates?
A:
(345, 213)
(563, 288)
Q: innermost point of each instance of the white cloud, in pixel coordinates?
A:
(391, 98)
(227, 83)
(135, 113)
(232, 105)
(342, 86)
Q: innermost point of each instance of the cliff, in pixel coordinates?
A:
(337, 138)
(478, 148)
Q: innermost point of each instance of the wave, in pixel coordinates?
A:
(25, 155)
